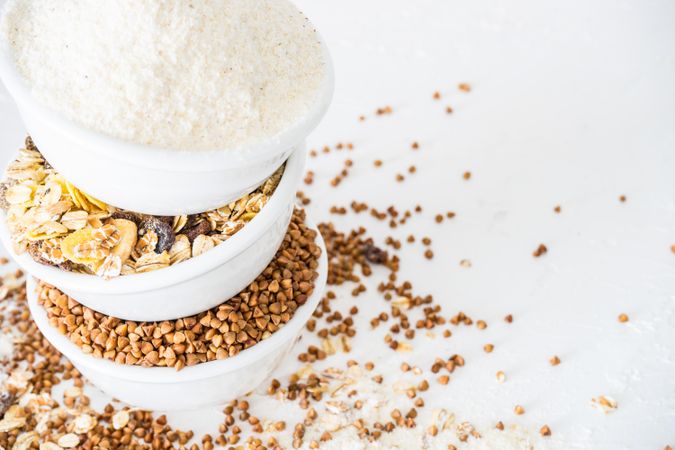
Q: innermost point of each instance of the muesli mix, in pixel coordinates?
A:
(59, 225)
(251, 316)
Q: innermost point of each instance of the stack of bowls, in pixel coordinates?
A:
(166, 182)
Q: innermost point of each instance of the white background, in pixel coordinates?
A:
(573, 103)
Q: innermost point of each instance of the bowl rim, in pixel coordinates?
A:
(164, 375)
(185, 270)
(171, 160)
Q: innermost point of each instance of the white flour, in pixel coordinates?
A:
(188, 75)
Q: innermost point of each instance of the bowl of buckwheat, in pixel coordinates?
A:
(195, 361)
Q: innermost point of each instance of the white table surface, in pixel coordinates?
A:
(573, 103)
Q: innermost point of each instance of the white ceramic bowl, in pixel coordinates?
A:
(153, 180)
(207, 384)
(191, 286)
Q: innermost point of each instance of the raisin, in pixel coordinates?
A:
(375, 254)
(137, 218)
(166, 219)
(161, 225)
(128, 215)
(165, 235)
(192, 220)
(202, 227)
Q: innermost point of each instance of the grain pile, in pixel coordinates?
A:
(354, 406)
(392, 387)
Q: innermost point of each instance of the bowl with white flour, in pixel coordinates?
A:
(190, 107)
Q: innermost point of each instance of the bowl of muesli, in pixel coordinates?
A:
(135, 266)
(195, 361)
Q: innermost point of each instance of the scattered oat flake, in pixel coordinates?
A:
(72, 391)
(11, 423)
(84, 423)
(328, 346)
(120, 419)
(605, 403)
(69, 440)
(25, 441)
(49, 446)
(466, 263)
(404, 347)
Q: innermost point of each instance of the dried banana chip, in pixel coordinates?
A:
(128, 232)
(96, 202)
(71, 246)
